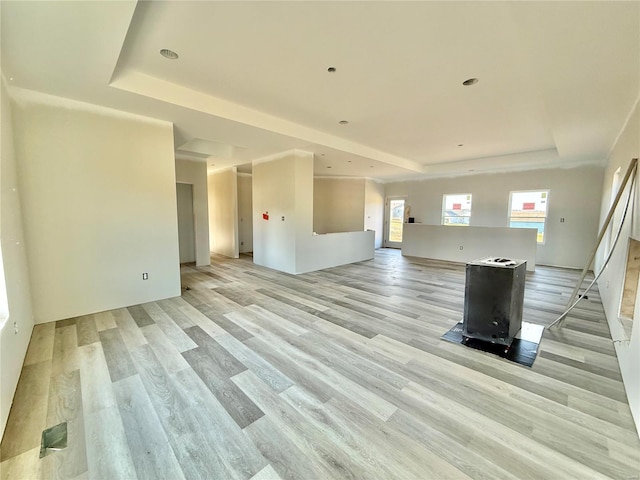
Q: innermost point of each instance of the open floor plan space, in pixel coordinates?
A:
(339, 373)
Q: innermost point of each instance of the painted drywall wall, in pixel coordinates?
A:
(245, 213)
(223, 213)
(338, 204)
(98, 193)
(283, 190)
(611, 281)
(13, 346)
(274, 194)
(195, 173)
(186, 226)
(333, 249)
(574, 195)
(374, 209)
(456, 244)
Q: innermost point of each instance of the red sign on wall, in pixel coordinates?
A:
(529, 206)
(457, 206)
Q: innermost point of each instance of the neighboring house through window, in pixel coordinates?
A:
(456, 209)
(529, 210)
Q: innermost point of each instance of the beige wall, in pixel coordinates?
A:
(574, 195)
(195, 173)
(18, 311)
(374, 209)
(338, 204)
(99, 206)
(245, 213)
(611, 282)
(223, 213)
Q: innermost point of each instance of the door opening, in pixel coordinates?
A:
(395, 222)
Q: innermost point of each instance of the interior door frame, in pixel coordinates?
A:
(387, 220)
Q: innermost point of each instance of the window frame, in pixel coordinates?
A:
(444, 209)
(546, 216)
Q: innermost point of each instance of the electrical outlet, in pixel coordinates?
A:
(241, 243)
(283, 218)
(461, 247)
(562, 220)
(145, 276)
(15, 327)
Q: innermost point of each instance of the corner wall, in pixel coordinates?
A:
(274, 194)
(98, 193)
(610, 283)
(195, 173)
(13, 346)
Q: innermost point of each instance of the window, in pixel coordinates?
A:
(529, 210)
(456, 209)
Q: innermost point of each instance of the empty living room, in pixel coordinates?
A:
(319, 240)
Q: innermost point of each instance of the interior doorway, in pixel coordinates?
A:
(394, 223)
(186, 223)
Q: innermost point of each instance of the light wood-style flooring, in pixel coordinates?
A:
(341, 373)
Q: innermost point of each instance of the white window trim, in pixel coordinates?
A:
(444, 204)
(544, 238)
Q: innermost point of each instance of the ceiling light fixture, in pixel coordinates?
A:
(170, 54)
(470, 81)
(343, 122)
(331, 69)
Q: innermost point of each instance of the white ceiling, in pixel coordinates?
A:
(557, 80)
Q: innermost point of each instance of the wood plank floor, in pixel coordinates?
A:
(341, 373)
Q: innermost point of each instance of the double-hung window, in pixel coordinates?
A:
(456, 209)
(529, 210)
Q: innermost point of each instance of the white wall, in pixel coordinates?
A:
(245, 213)
(13, 347)
(465, 244)
(274, 192)
(223, 213)
(338, 204)
(284, 188)
(610, 283)
(195, 173)
(574, 195)
(333, 249)
(374, 210)
(99, 206)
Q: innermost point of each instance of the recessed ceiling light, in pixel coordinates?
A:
(461, 144)
(11, 79)
(170, 54)
(343, 122)
(470, 81)
(349, 161)
(331, 69)
(328, 166)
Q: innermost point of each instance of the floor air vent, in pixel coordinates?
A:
(53, 439)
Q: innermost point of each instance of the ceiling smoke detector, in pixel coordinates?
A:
(470, 81)
(170, 54)
(331, 69)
